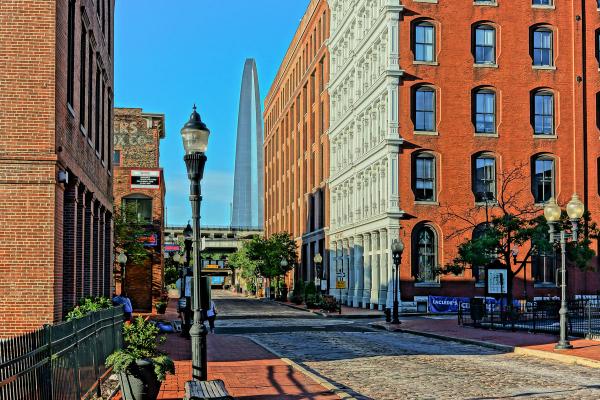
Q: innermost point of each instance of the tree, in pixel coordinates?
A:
(268, 253)
(128, 231)
(511, 221)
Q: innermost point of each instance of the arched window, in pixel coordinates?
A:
(424, 109)
(542, 47)
(543, 178)
(424, 181)
(543, 112)
(485, 111)
(485, 44)
(424, 42)
(139, 206)
(484, 178)
(544, 268)
(425, 250)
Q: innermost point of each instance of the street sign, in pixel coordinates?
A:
(341, 274)
(340, 284)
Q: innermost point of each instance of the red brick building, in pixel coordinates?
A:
(296, 148)
(489, 86)
(56, 88)
(139, 183)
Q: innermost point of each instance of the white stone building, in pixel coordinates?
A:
(364, 143)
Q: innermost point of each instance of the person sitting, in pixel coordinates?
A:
(123, 300)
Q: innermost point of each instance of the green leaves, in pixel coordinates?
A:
(128, 229)
(88, 305)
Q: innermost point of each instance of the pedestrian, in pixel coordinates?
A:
(211, 315)
(123, 300)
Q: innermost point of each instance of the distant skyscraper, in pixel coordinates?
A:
(248, 182)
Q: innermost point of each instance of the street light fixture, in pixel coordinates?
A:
(552, 213)
(397, 250)
(122, 260)
(195, 142)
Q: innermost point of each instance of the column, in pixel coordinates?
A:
(332, 267)
(393, 234)
(374, 269)
(339, 261)
(101, 248)
(348, 267)
(87, 244)
(69, 289)
(350, 275)
(392, 183)
(80, 243)
(95, 287)
(358, 270)
(367, 271)
(384, 273)
(109, 285)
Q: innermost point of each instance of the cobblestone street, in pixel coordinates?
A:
(385, 365)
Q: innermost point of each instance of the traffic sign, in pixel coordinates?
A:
(341, 274)
(339, 284)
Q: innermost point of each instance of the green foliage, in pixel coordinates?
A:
(311, 297)
(171, 274)
(127, 231)
(161, 307)
(268, 253)
(328, 303)
(297, 296)
(141, 343)
(88, 305)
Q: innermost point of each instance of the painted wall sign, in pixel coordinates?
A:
(497, 280)
(145, 179)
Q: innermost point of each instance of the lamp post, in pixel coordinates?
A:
(552, 213)
(318, 260)
(283, 264)
(195, 140)
(122, 260)
(397, 249)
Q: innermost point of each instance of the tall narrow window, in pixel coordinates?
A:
(485, 44)
(543, 113)
(97, 106)
(425, 109)
(71, 52)
(82, 77)
(542, 47)
(484, 178)
(424, 42)
(543, 179)
(424, 177)
(117, 157)
(90, 87)
(426, 255)
(485, 111)
(544, 268)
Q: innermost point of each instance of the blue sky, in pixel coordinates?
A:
(172, 54)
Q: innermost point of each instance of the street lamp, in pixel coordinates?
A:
(397, 249)
(318, 260)
(195, 141)
(122, 260)
(552, 213)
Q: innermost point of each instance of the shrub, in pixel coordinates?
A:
(88, 305)
(328, 303)
(141, 343)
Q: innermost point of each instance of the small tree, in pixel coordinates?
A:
(128, 231)
(268, 253)
(509, 225)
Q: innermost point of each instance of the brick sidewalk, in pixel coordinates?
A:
(449, 328)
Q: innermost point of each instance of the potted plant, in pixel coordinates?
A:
(161, 307)
(140, 365)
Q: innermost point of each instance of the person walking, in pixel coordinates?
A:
(211, 315)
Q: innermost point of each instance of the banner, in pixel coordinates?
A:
(444, 304)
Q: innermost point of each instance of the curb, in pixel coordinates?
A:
(563, 358)
(329, 315)
(341, 393)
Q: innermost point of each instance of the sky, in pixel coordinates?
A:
(170, 54)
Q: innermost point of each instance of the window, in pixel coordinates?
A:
(543, 179)
(543, 113)
(544, 268)
(424, 265)
(424, 42)
(485, 111)
(117, 157)
(542, 47)
(424, 109)
(71, 52)
(82, 77)
(541, 2)
(90, 88)
(139, 205)
(425, 177)
(485, 45)
(484, 178)
(97, 111)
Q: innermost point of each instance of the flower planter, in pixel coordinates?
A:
(139, 382)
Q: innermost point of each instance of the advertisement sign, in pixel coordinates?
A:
(497, 281)
(172, 247)
(340, 284)
(145, 179)
(150, 240)
(444, 304)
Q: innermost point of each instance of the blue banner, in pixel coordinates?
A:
(444, 304)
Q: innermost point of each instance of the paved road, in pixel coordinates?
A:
(396, 366)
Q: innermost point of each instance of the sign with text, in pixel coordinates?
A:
(497, 281)
(145, 179)
(340, 284)
(444, 304)
(149, 240)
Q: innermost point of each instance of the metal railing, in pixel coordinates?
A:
(60, 361)
(536, 317)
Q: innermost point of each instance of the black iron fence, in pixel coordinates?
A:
(540, 316)
(61, 361)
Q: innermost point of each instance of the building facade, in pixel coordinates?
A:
(56, 80)
(365, 209)
(248, 187)
(296, 146)
(487, 102)
(139, 186)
